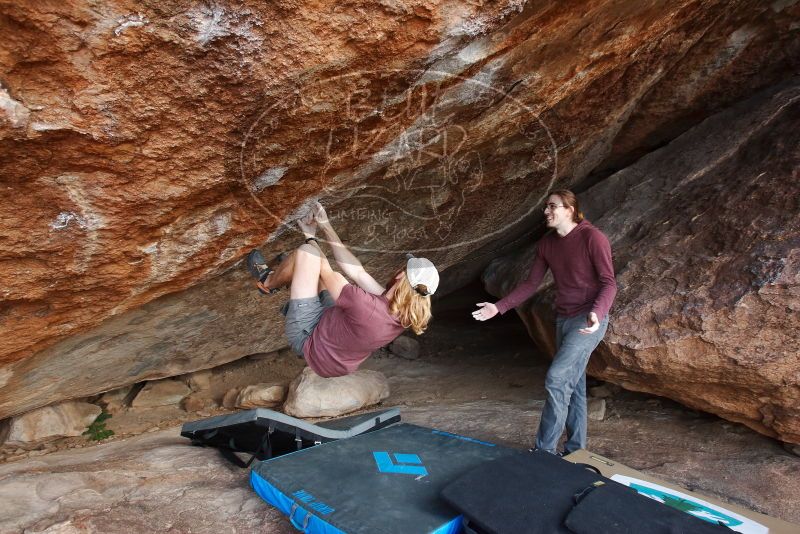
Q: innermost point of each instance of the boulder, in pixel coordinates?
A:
(135, 184)
(161, 393)
(66, 419)
(596, 409)
(261, 396)
(200, 380)
(405, 347)
(114, 401)
(705, 235)
(106, 489)
(229, 399)
(313, 396)
(198, 402)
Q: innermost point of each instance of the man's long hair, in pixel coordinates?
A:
(410, 307)
(569, 199)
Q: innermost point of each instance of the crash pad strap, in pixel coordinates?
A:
(301, 519)
(264, 448)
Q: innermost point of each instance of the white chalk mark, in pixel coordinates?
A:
(269, 178)
(130, 21)
(86, 219)
(15, 112)
(64, 218)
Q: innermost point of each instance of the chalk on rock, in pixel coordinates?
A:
(313, 396)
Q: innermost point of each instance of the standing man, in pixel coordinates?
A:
(579, 256)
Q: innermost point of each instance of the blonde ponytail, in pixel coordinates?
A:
(410, 307)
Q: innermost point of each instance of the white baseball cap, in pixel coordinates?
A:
(420, 271)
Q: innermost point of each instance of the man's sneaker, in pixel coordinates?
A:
(258, 268)
(257, 265)
(559, 454)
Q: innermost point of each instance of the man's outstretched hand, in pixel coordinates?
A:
(308, 225)
(320, 215)
(593, 324)
(487, 311)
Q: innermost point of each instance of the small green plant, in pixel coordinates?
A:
(97, 430)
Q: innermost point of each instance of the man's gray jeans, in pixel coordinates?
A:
(566, 385)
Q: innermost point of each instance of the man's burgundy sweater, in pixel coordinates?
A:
(582, 269)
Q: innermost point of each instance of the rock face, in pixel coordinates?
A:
(705, 235)
(105, 489)
(52, 422)
(144, 149)
(314, 396)
(200, 328)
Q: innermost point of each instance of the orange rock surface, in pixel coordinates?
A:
(145, 148)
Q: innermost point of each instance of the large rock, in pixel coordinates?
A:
(161, 393)
(229, 399)
(197, 402)
(261, 395)
(200, 328)
(199, 381)
(405, 347)
(313, 396)
(145, 150)
(705, 235)
(106, 489)
(52, 422)
(596, 409)
(116, 400)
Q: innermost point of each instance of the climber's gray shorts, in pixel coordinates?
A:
(302, 316)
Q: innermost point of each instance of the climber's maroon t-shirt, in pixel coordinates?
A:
(349, 332)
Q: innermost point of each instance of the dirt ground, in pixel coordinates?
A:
(485, 380)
